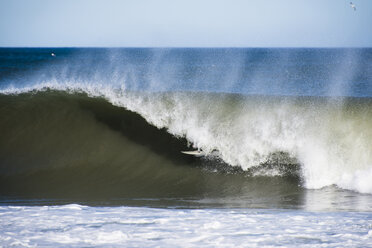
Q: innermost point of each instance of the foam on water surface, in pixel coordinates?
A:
(77, 226)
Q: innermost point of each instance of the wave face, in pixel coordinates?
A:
(66, 130)
(59, 145)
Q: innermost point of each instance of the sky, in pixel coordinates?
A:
(185, 23)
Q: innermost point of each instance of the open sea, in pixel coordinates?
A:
(91, 143)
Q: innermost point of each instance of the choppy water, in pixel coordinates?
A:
(286, 131)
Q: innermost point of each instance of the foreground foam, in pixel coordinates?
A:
(77, 226)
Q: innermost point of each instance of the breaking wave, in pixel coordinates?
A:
(325, 141)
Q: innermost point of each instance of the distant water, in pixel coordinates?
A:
(286, 133)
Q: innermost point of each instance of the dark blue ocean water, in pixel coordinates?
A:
(314, 72)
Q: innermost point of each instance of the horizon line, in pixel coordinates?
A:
(198, 47)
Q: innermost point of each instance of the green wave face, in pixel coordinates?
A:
(57, 145)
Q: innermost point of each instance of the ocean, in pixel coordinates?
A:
(92, 142)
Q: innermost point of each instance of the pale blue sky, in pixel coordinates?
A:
(188, 23)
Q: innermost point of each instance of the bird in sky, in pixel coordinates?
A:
(352, 6)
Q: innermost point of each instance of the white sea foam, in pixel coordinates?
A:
(331, 142)
(84, 226)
